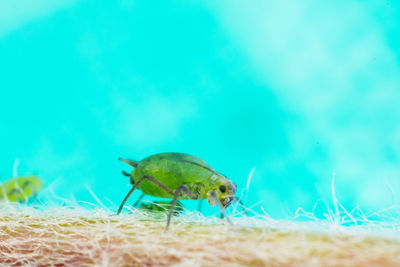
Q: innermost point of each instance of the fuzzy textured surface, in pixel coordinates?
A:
(79, 237)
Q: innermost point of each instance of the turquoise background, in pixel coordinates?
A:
(298, 90)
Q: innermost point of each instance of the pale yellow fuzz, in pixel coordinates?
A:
(80, 237)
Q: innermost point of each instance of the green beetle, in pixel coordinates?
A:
(180, 176)
(21, 188)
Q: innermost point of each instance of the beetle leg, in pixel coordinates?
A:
(200, 205)
(146, 177)
(221, 207)
(138, 200)
(177, 192)
(242, 206)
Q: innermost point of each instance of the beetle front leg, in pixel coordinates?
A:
(221, 207)
(177, 192)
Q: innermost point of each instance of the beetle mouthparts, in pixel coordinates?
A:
(228, 201)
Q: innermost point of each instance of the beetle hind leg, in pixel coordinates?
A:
(146, 177)
(177, 194)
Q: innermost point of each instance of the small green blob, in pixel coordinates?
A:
(180, 176)
(20, 189)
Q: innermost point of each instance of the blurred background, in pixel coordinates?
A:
(301, 91)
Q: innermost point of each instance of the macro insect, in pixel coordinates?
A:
(20, 189)
(180, 176)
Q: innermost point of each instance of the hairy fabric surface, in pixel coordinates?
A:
(78, 237)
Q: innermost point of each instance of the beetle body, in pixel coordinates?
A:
(20, 188)
(173, 170)
(180, 176)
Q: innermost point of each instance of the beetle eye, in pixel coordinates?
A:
(222, 188)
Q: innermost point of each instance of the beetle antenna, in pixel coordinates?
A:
(129, 162)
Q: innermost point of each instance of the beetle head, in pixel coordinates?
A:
(223, 190)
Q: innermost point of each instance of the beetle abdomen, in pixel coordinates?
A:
(173, 170)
